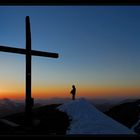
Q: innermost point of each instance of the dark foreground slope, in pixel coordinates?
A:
(47, 120)
(127, 114)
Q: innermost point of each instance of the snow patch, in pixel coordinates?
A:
(87, 119)
(9, 123)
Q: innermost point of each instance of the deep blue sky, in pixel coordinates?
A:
(98, 45)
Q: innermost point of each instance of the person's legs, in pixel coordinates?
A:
(73, 96)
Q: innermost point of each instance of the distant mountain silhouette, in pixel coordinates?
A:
(54, 100)
(8, 107)
(104, 107)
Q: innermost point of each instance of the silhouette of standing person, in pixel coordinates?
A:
(73, 92)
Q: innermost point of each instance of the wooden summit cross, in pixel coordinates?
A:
(28, 52)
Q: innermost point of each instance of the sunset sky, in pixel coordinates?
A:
(99, 49)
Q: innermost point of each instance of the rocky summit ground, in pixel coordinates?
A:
(47, 120)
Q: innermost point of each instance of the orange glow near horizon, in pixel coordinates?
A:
(64, 91)
(94, 46)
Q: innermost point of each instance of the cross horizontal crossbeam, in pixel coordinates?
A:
(24, 51)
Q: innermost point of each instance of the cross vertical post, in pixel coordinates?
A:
(29, 99)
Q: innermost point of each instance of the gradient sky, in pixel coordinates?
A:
(99, 49)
